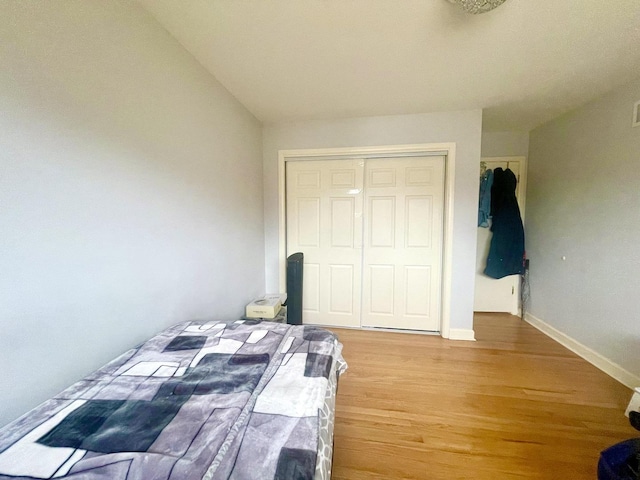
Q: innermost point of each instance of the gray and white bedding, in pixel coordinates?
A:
(201, 400)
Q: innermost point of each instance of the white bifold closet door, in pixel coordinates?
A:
(372, 234)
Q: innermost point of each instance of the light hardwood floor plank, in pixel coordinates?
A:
(513, 405)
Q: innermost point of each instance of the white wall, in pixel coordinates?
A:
(583, 202)
(130, 192)
(505, 144)
(463, 128)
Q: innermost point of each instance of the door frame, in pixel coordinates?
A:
(382, 151)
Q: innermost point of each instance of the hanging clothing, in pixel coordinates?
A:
(506, 252)
(484, 204)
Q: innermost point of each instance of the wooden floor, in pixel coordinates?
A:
(512, 405)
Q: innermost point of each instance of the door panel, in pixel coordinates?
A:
(418, 221)
(403, 223)
(341, 289)
(382, 221)
(382, 289)
(324, 221)
(381, 177)
(342, 222)
(308, 221)
(418, 285)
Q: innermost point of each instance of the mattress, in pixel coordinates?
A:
(200, 400)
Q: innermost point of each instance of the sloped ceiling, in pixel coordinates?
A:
(524, 63)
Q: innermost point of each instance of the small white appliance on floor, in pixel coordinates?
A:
(267, 306)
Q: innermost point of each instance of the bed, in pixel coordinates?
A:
(200, 400)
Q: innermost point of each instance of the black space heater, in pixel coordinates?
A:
(295, 264)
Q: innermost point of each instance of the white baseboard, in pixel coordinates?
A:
(607, 366)
(462, 334)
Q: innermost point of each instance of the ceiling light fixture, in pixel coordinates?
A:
(478, 6)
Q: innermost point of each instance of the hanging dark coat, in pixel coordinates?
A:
(506, 252)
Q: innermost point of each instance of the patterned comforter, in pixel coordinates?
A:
(215, 400)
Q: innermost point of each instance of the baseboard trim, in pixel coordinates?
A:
(462, 334)
(594, 358)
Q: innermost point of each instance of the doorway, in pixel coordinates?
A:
(499, 295)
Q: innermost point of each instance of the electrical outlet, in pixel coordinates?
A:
(636, 114)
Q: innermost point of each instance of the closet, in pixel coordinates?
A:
(371, 231)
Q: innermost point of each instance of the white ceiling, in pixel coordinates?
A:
(523, 63)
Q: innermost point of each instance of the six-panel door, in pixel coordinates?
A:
(324, 221)
(403, 226)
